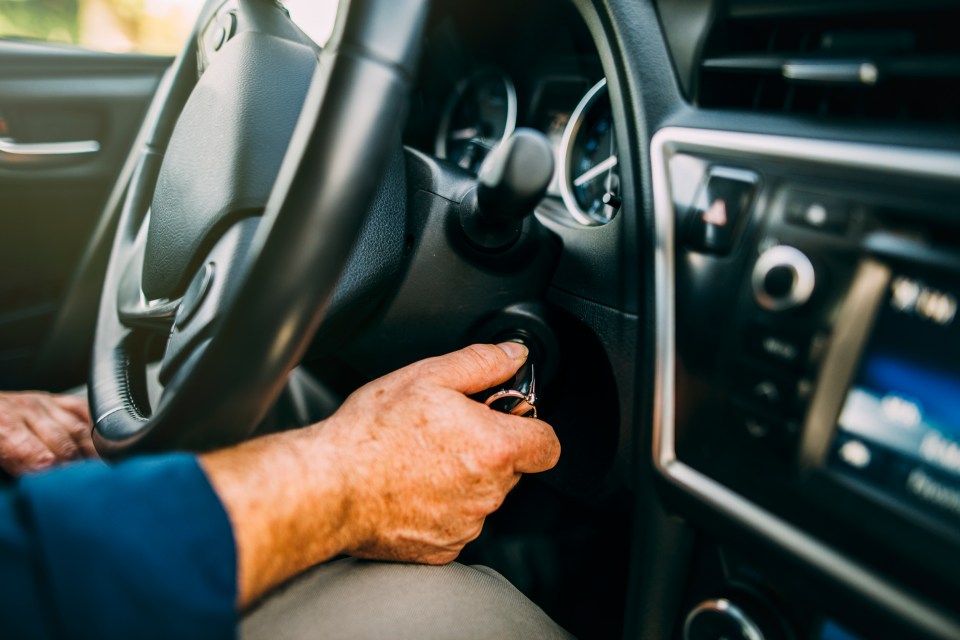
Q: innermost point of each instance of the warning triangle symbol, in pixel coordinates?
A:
(716, 214)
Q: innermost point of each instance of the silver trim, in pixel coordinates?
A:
(748, 628)
(803, 284)
(851, 330)
(21, 151)
(440, 146)
(566, 155)
(831, 71)
(927, 164)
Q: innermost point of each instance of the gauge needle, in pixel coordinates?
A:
(596, 171)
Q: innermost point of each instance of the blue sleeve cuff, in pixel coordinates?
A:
(143, 549)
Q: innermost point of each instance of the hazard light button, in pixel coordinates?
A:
(714, 222)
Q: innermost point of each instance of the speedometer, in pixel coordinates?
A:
(589, 178)
(481, 113)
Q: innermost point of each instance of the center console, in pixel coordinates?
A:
(808, 366)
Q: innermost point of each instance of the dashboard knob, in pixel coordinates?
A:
(783, 278)
(721, 619)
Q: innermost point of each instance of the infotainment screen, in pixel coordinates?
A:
(899, 428)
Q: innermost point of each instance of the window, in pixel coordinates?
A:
(118, 26)
(314, 17)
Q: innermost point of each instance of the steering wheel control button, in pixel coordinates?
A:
(783, 279)
(219, 37)
(814, 211)
(195, 295)
(720, 619)
(716, 217)
(223, 29)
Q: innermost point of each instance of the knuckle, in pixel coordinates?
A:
(492, 503)
(498, 452)
(80, 429)
(66, 448)
(38, 460)
(477, 530)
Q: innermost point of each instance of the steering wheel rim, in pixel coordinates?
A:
(273, 274)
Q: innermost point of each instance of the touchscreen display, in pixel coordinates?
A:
(899, 429)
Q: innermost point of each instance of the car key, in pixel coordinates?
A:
(517, 397)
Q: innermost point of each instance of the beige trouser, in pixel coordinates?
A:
(359, 599)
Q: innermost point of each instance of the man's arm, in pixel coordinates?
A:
(406, 470)
(165, 546)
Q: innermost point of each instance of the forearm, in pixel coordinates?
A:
(286, 501)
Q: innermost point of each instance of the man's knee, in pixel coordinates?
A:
(359, 599)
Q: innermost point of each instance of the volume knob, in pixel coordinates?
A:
(783, 279)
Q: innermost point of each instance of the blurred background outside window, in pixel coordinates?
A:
(133, 26)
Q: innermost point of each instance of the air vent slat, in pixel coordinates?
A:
(889, 65)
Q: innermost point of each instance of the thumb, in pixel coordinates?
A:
(478, 367)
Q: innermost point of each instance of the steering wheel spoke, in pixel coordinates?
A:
(208, 295)
(133, 309)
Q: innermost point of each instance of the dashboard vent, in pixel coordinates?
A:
(895, 65)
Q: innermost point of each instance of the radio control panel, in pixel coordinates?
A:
(817, 355)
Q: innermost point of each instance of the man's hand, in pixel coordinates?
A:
(427, 464)
(406, 470)
(40, 430)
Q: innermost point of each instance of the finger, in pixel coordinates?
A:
(49, 425)
(22, 452)
(535, 444)
(76, 405)
(80, 431)
(473, 369)
(83, 435)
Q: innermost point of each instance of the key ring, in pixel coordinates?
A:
(525, 405)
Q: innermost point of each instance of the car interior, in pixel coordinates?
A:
(727, 230)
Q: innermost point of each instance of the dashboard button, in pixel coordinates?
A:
(817, 212)
(714, 220)
(777, 347)
(768, 393)
(748, 421)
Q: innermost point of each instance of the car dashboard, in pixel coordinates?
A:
(757, 206)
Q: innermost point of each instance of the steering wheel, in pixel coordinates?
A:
(229, 264)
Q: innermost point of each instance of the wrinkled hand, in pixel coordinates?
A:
(407, 469)
(40, 430)
(425, 463)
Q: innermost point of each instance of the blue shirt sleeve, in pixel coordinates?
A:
(143, 549)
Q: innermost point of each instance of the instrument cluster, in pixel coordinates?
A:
(573, 111)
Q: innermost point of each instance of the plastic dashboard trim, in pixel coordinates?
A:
(926, 164)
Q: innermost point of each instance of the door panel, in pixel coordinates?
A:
(67, 120)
